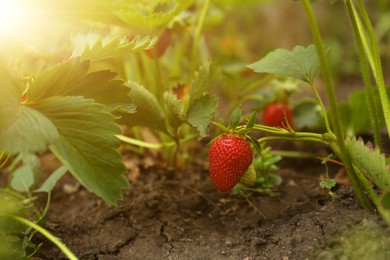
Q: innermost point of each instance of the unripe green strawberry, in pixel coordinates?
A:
(229, 158)
(249, 177)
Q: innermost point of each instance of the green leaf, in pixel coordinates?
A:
(87, 145)
(147, 16)
(359, 118)
(201, 112)
(205, 78)
(307, 114)
(94, 47)
(301, 63)
(235, 118)
(149, 112)
(72, 78)
(174, 110)
(58, 80)
(252, 121)
(52, 180)
(355, 115)
(255, 144)
(11, 202)
(328, 184)
(22, 178)
(10, 100)
(30, 132)
(371, 162)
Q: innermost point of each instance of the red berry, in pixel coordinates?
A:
(229, 158)
(276, 114)
(164, 40)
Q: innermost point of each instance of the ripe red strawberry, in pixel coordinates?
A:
(229, 158)
(278, 114)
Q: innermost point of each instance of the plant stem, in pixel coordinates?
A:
(327, 125)
(47, 234)
(325, 70)
(144, 144)
(293, 154)
(198, 33)
(377, 69)
(283, 134)
(371, 105)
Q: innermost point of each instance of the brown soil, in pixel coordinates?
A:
(179, 215)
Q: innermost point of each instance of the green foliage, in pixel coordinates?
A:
(147, 16)
(30, 132)
(74, 78)
(328, 184)
(80, 131)
(201, 112)
(264, 165)
(365, 240)
(206, 77)
(87, 144)
(95, 48)
(301, 63)
(174, 110)
(51, 181)
(149, 111)
(235, 118)
(370, 161)
(24, 177)
(10, 94)
(307, 114)
(11, 244)
(355, 115)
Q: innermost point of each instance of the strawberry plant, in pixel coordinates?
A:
(365, 167)
(130, 76)
(75, 107)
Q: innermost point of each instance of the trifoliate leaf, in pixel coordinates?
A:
(87, 144)
(148, 113)
(94, 47)
(30, 132)
(174, 110)
(371, 162)
(301, 63)
(201, 112)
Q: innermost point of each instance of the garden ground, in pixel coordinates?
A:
(177, 214)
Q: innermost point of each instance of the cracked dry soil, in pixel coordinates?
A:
(179, 215)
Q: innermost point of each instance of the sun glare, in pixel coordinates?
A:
(33, 23)
(16, 16)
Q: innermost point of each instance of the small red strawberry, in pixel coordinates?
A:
(229, 158)
(277, 115)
